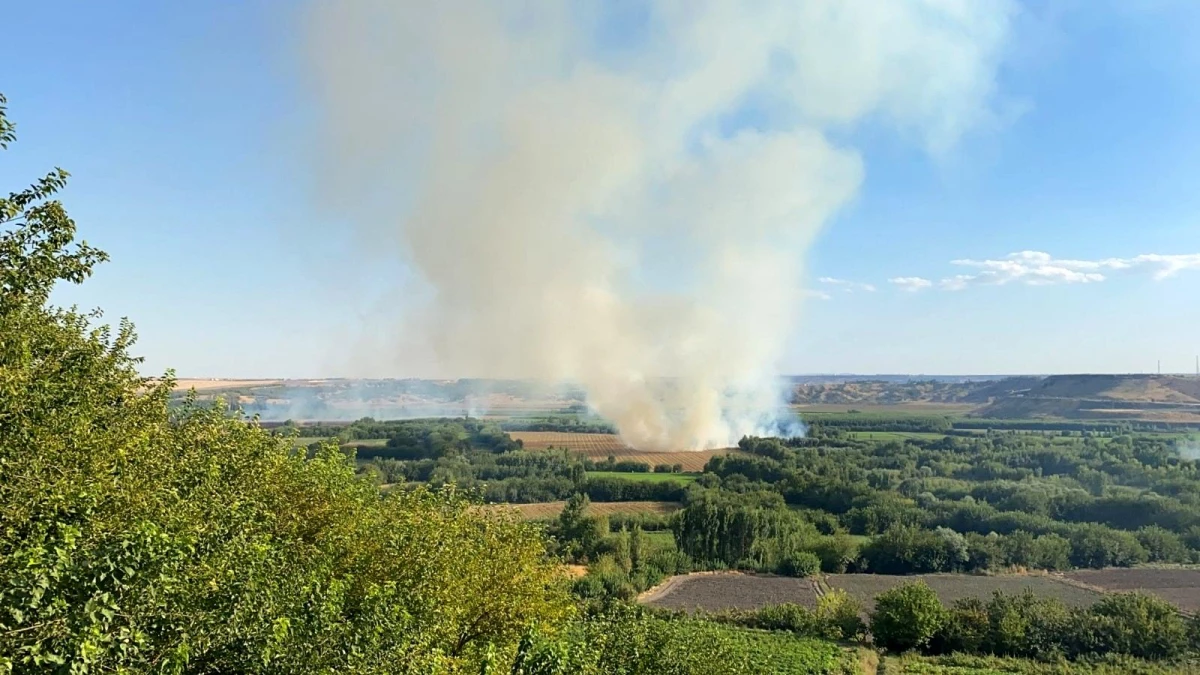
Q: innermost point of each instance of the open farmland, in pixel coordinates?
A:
(645, 477)
(951, 587)
(1179, 586)
(591, 445)
(547, 510)
(729, 590)
(600, 446)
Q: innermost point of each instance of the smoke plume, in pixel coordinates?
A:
(621, 194)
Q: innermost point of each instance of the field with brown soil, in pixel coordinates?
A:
(549, 510)
(951, 587)
(1179, 586)
(714, 592)
(600, 446)
(592, 445)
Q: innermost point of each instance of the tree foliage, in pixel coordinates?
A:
(138, 539)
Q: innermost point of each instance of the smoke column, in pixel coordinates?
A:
(621, 194)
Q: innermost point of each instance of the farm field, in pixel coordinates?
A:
(547, 510)
(591, 445)
(600, 446)
(645, 477)
(895, 435)
(951, 587)
(366, 443)
(729, 590)
(1179, 586)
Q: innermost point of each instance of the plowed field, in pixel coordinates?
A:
(1180, 587)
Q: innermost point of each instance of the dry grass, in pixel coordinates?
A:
(592, 445)
(549, 510)
(202, 384)
(600, 446)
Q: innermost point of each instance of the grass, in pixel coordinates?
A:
(660, 540)
(896, 435)
(644, 477)
(366, 443)
(305, 441)
(547, 510)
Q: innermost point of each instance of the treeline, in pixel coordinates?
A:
(560, 423)
(1116, 500)
(520, 477)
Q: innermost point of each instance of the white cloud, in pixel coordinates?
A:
(1037, 268)
(819, 295)
(911, 284)
(848, 286)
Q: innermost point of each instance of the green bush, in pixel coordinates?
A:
(801, 564)
(907, 617)
(137, 539)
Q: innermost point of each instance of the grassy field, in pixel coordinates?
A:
(366, 443)
(645, 477)
(547, 510)
(895, 435)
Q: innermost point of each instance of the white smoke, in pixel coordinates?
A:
(585, 197)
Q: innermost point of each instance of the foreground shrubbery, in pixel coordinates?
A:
(1028, 626)
(960, 664)
(629, 642)
(137, 540)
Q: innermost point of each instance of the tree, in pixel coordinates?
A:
(907, 617)
(137, 538)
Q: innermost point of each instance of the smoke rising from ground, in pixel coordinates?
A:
(621, 194)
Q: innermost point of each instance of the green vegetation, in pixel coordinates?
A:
(639, 643)
(141, 533)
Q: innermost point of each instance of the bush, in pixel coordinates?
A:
(801, 564)
(137, 538)
(907, 617)
(839, 616)
(1140, 625)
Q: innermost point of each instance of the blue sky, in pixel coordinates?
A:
(184, 127)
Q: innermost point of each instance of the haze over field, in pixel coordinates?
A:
(540, 180)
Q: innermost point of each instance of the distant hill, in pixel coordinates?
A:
(1148, 397)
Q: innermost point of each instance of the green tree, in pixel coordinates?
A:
(907, 617)
(137, 539)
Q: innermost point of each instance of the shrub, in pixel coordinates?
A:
(1140, 625)
(907, 617)
(838, 616)
(801, 564)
